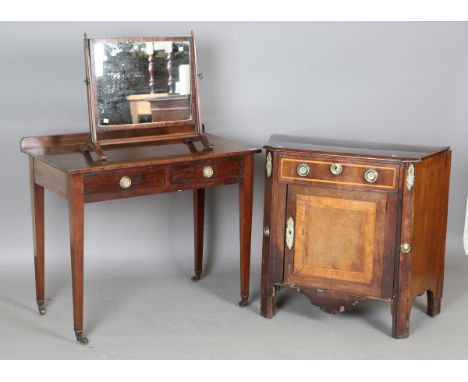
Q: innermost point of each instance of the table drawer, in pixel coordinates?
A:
(205, 173)
(365, 174)
(124, 183)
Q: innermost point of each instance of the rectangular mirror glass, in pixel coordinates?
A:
(142, 82)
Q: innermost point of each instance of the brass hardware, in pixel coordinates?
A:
(266, 231)
(125, 182)
(196, 277)
(268, 165)
(41, 307)
(336, 168)
(290, 233)
(80, 338)
(405, 248)
(410, 177)
(208, 171)
(244, 301)
(303, 169)
(371, 175)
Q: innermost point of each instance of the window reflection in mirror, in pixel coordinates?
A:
(142, 82)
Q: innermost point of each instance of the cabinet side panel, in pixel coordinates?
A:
(431, 186)
(51, 178)
(274, 219)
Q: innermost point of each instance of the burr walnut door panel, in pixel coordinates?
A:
(339, 239)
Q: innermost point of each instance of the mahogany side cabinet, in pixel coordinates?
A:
(58, 163)
(346, 221)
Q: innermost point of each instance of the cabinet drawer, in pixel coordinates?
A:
(123, 183)
(365, 174)
(206, 173)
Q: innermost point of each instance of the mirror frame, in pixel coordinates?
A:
(187, 130)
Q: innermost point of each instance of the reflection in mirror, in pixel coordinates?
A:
(142, 82)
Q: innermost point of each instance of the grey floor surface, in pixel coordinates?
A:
(151, 316)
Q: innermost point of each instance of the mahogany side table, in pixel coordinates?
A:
(58, 164)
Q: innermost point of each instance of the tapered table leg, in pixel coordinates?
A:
(76, 217)
(37, 208)
(198, 223)
(245, 227)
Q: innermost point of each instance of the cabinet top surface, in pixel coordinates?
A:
(64, 152)
(367, 149)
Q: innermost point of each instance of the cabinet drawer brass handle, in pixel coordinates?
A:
(290, 233)
(303, 169)
(336, 168)
(125, 182)
(208, 171)
(371, 175)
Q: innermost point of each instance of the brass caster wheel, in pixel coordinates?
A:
(196, 277)
(244, 301)
(81, 339)
(41, 307)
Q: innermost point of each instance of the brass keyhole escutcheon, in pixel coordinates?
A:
(208, 171)
(336, 168)
(303, 169)
(371, 175)
(290, 233)
(266, 231)
(125, 182)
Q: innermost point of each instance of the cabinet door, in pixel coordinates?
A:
(340, 239)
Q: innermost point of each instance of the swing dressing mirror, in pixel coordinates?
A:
(142, 89)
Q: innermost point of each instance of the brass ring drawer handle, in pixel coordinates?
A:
(371, 175)
(208, 171)
(303, 169)
(336, 168)
(125, 182)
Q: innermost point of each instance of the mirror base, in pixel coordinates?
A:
(96, 147)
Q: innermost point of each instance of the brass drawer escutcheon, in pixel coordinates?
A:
(208, 171)
(371, 175)
(303, 169)
(266, 231)
(336, 168)
(125, 182)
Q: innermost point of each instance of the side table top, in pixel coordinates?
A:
(64, 152)
(357, 148)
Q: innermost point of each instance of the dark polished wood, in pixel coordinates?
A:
(76, 218)
(349, 231)
(37, 209)
(58, 164)
(245, 225)
(198, 226)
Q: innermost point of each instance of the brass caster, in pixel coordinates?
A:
(196, 277)
(41, 307)
(244, 301)
(81, 339)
